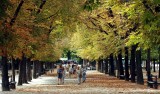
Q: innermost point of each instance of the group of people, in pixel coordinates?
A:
(80, 73)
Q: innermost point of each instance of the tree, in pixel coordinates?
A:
(6, 34)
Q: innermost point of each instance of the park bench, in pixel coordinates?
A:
(121, 76)
(153, 83)
(12, 84)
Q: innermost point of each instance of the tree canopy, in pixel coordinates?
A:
(94, 29)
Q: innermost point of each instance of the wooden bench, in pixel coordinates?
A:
(12, 84)
(153, 83)
(121, 76)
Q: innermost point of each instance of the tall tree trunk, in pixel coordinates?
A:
(126, 64)
(102, 66)
(133, 49)
(148, 65)
(5, 79)
(69, 55)
(159, 62)
(43, 65)
(99, 65)
(34, 69)
(154, 67)
(106, 66)
(139, 68)
(13, 69)
(16, 64)
(24, 69)
(29, 76)
(31, 69)
(117, 72)
(111, 66)
(20, 81)
(121, 71)
(39, 67)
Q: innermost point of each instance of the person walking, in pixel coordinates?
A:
(60, 74)
(63, 74)
(84, 73)
(70, 71)
(79, 74)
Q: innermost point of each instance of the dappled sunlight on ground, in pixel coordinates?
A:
(96, 83)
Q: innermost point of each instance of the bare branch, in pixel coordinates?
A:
(16, 12)
(41, 6)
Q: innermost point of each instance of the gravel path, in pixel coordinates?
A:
(96, 83)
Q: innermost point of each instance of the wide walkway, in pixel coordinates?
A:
(96, 83)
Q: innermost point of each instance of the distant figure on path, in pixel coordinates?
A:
(63, 74)
(70, 71)
(60, 74)
(79, 74)
(84, 73)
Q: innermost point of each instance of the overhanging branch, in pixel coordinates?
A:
(16, 12)
(41, 6)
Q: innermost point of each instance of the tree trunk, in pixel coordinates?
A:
(117, 72)
(16, 64)
(21, 65)
(148, 65)
(121, 71)
(20, 73)
(5, 79)
(44, 67)
(111, 66)
(69, 55)
(13, 69)
(133, 49)
(34, 70)
(154, 67)
(101, 65)
(126, 64)
(29, 76)
(39, 67)
(159, 62)
(139, 68)
(24, 69)
(106, 66)
(97, 65)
